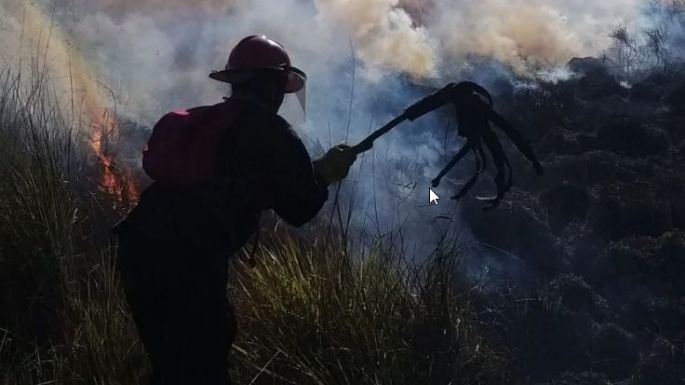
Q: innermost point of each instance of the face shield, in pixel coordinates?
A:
(294, 105)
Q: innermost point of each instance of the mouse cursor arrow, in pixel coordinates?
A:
(433, 198)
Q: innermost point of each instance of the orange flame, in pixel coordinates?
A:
(118, 182)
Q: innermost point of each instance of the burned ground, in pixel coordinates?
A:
(602, 233)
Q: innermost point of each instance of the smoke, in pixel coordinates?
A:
(425, 38)
(385, 33)
(363, 59)
(521, 35)
(32, 42)
(527, 34)
(664, 20)
(122, 9)
(152, 47)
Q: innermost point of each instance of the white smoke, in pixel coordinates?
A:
(386, 34)
(151, 47)
(358, 55)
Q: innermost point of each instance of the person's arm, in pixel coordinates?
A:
(299, 191)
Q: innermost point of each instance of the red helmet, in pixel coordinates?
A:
(258, 52)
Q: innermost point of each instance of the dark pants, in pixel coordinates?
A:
(179, 304)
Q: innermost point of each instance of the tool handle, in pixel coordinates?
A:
(367, 143)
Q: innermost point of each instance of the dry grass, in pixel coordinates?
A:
(307, 314)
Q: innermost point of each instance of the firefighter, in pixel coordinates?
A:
(175, 244)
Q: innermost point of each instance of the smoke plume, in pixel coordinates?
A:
(387, 36)
(363, 59)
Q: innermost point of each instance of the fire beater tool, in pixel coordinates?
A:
(473, 106)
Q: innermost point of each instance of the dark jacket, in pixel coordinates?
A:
(261, 165)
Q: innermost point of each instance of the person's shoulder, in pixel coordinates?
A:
(189, 114)
(204, 113)
(249, 114)
(204, 110)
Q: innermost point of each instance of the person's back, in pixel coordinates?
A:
(261, 165)
(174, 247)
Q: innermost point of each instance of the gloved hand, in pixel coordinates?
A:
(335, 164)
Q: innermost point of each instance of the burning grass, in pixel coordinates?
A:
(307, 315)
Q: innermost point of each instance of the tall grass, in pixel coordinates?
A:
(61, 315)
(308, 313)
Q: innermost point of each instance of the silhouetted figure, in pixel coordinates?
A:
(474, 116)
(175, 245)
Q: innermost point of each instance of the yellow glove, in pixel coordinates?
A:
(335, 164)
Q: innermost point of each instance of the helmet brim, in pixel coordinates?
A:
(296, 81)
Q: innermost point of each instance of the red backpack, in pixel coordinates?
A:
(184, 144)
